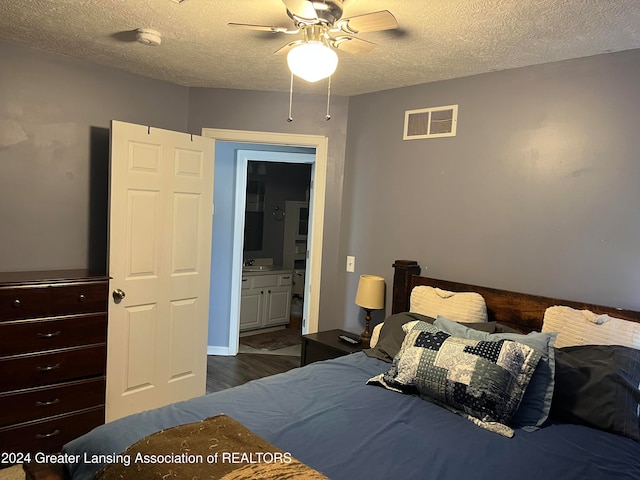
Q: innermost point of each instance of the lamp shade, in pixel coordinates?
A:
(370, 293)
(312, 61)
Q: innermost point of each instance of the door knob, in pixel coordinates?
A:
(118, 295)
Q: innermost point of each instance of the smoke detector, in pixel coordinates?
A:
(147, 36)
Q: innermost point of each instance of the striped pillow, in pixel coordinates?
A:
(466, 307)
(583, 327)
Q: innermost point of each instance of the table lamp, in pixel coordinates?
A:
(370, 296)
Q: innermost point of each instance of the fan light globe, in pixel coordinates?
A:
(312, 61)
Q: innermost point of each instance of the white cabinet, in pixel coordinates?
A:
(265, 301)
(251, 309)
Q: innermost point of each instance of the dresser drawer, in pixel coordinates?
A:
(37, 403)
(79, 298)
(26, 336)
(49, 435)
(23, 302)
(24, 371)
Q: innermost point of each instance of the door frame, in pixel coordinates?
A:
(317, 199)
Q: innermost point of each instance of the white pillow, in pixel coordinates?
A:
(583, 327)
(375, 335)
(466, 307)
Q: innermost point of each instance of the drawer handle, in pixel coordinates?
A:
(48, 368)
(40, 436)
(81, 298)
(245, 279)
(48, 335)
(286, 278)
(17, 303)
(46, 404)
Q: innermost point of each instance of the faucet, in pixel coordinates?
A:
(248, 262)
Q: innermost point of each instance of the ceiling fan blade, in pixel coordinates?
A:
(262, 28)
(369, 22)
(301, 9)
(353, 45)
(284, 50)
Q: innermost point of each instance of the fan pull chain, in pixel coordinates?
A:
(328, 115)
(290, 118)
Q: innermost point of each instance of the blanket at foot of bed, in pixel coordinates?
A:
(218, 447)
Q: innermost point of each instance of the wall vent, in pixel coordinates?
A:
(430, 122)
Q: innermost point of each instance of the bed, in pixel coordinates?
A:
(335, 421)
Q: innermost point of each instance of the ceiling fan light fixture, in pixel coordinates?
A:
(312, 61)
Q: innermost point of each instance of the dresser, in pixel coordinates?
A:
(53, 347)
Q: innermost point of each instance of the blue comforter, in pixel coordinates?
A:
(326, 417)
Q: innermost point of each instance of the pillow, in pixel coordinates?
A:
(466, 307)
(482, 380)
(392, 335)
(597, 386)
(504, 329)
(583, 327)
(375, 335)
(387, 336)
(536, 403)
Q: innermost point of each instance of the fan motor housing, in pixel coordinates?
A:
(328, 12)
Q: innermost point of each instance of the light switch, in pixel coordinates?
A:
(351, 264)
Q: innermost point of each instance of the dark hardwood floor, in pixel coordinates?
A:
(225, 372)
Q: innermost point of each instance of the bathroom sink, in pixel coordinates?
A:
(257, 268)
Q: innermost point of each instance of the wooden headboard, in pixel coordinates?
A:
(517, 310)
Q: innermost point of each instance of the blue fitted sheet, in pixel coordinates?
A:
(327, 417)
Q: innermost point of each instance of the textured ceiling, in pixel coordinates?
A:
(436, 39)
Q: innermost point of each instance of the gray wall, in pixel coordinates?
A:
(55, 114)
(538, 192)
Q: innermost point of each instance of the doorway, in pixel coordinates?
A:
(226, 264)
(275, 243)
(266, 158)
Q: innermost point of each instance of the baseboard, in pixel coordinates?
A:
(218, 350)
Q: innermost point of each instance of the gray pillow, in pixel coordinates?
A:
(597, 386)
(392, 335)
(536, 403)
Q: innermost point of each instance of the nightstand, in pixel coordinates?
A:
(326, 345)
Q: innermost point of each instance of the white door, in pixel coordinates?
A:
(161, 205)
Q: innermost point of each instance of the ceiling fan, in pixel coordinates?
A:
(323, 30)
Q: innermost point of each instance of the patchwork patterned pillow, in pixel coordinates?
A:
(483, 381)
(536, 402)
